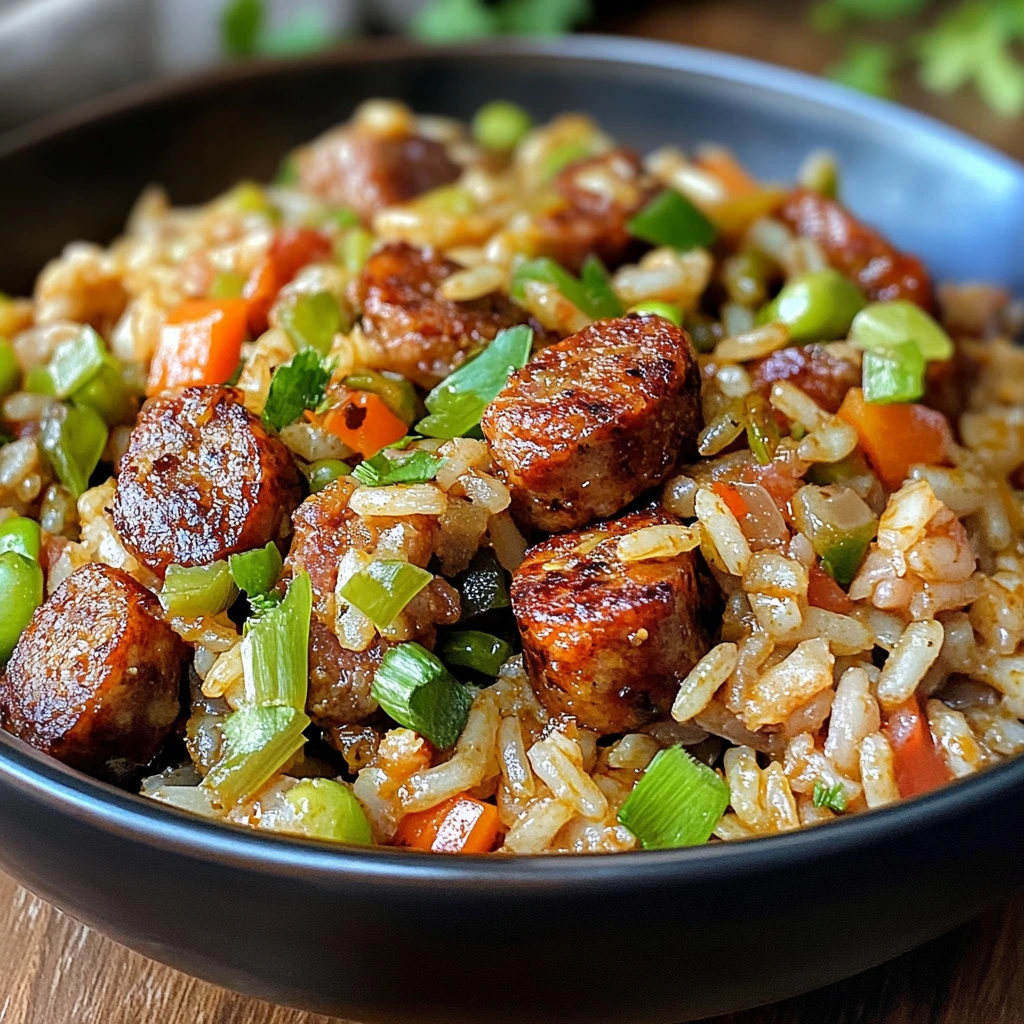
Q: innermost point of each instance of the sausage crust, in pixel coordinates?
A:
(604, 640)
(413, 329)
(592, 422)
(858, 251)
(201, 479)
(813, 368)
(350, 166)
(95, 679)
(599, 195)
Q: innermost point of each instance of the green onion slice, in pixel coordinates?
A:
(21, 593)
(483, 587)
(839, 525)
(887, 324)
(471, 648)
(671, 219)
(258, 741)
(413, 468)
(384, 588)
(312, 321)
(591, 293)
(109, 393)
(324, 472)
(353, 249)
(256, 571)
(893, 374)
(817, 306)
(677, 802)
(325, 809)
(417, 691)
(500, 125)
(20, 534)
(666, 310)
(299, 384)
(832, 797)
(39, 382)
(73, 439)
(227, 285)
(76, 361)
(458, 402)
(197, 590)
(597, 287)
(275, 650)
(10, 369)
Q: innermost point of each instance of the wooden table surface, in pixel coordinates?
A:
(55, 971)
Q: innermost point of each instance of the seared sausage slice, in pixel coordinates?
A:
(815, 369)
(96, 676)
(599, 195)
(201, 479)
(604, 640)
(352, 166)
(416, 331)
(592, 422)
(858, 251)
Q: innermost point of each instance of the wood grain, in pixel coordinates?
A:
(56, 971)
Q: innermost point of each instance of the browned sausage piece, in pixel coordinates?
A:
(351, 166)
(858, 251)
(825, 376)
(599, 195)
(96, 676)
(415, 330)
(201, 479)
(592, 422)
(604, 640)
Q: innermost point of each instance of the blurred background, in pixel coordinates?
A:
(960, 60)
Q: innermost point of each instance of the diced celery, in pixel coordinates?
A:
(192, 591)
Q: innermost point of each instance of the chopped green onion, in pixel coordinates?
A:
(500, 125)
(76, 361)
(677, 802)
(820, 173)
(109, 393)
(10, 369)
(839, 525)
(256, 571)
(412, 468)
(893, 374)
(324, 472)
(299, 384)
(562, 155)
(601, 299)
(458, 402)
(275, 650)
(384, 588)
(817, 306)
(197, 590)
(21, 593)
(326, 809)
(483, 587)
(666, 310)
(353, 249)
(258, 741)
(417, 691)
(448, 201)
(762, 428)
(227, 285)
(398, 393)
(73, 439)
(287, 172)
(832, 797)
(671, 219)
(341, 217)
(251, 197)
(470, 648)
(312, 321)
(39, 382)
(886, 324)
(20, 534)
(259, 605)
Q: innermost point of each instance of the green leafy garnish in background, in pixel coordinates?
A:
(454, 20)
(245, 33)
(867, 67)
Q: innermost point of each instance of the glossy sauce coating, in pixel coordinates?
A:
(202, 479)
(95, 678)
(604, 640)
(592, 422)
(413, 329)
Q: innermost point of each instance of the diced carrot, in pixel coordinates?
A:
(919, 765)
(200, 343)
(460, 824)
(290, 251)
(895, 437)
(732, 498)
(824, 592)
(365, 423)
(718, 161)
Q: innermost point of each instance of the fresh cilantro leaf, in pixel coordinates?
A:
(868, 67)
(298, 385)
(452, 20)
(415, 468)
(832, 797)
(241, 25)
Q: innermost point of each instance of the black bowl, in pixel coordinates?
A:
(384, 934)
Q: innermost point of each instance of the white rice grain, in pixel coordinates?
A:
(703, 681)
(915, 652)
(877, 771)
